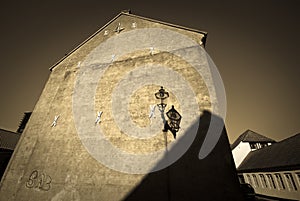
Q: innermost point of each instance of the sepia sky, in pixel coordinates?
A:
(255, 45)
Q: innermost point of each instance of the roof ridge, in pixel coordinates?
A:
(289, 138)
(254, 136)
(128, 13)
(250, 136)
(281, 156)
(246, 133)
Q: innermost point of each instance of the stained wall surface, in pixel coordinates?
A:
(126, 155)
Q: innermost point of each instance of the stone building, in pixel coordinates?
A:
(135, 112)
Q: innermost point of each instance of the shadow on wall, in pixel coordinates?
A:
(189, 178)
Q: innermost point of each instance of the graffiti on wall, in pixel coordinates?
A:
(39, 180)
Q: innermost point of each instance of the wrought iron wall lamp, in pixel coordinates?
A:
(173, 115)
(162, 95)
(174, 121)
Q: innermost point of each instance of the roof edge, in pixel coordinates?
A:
(165, 23)
(9, 131)
(125, 12)
(85, 41)
(270, 169)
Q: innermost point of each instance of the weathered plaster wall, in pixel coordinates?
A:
(53, 163)
(240, 152)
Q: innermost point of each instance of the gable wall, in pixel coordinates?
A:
(53, 163)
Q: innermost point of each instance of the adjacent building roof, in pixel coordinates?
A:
(8, 139)
(250, 136)
(24, 121)
(283, 155)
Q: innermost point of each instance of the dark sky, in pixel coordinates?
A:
(255, 45)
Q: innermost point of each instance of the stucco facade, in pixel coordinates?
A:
(240, 152)
(65, 153)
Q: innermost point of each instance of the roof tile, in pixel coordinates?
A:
(280, 155)
(8, 139)
(250, 136)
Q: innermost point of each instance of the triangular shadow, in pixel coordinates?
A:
(189, 178)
